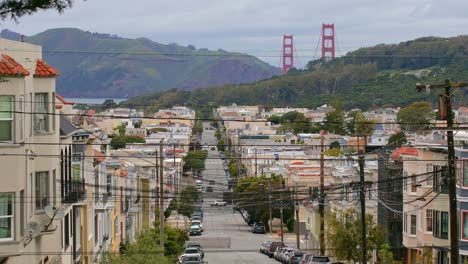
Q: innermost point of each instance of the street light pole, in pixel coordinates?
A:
(268, 176)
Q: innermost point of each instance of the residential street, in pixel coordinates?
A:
(227, 238)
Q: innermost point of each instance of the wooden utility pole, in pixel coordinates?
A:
(322, 200)
(161, 194)
(362, 195)
(296, 208)
(256, 169)
(446, 105)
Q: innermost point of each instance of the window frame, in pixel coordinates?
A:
(464, 169)
(39, 188)
(462, 236)
(37, 127)
(429, 171)
(444, 235)
(413, 220)
(431, 221)
(11, 217)
(10, 119)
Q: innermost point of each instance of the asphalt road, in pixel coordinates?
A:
(227, 238)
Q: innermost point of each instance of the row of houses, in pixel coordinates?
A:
(406, 187)
(65, 196)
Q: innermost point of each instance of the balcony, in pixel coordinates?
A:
(74, 191)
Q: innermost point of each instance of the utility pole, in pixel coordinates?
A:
(281, 216)
(296, 208)
(256, 169)
(268, 176)
(362, 195)
(322, 200)
(446, 105)
(161, 194)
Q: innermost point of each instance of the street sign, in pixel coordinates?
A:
(306, 236)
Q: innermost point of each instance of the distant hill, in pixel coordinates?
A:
(383, 75)
(104, 65)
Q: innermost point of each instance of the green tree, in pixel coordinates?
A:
(145, 250)
(363, 126)
(121, 129)
(344, 234)
(195, 160)
(119, 142)
(188, 196)
(15, 9)
(108, 103)
(275, 120)
(415, 117)
(251, 195)
(221, 145)
(334, 120)
(397, 139)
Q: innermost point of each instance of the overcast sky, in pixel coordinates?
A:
(256, 26)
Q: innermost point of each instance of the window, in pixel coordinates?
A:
(429, 220)
(405, 222)
(444, 221)
(440, 179)
(21, 212)
(109, 184)
(414, 187)
(405, 180)
(6, 216)
(413, 224)
(54, 187)
(21, 118)
(465, 172)
(66, 231)
(41, 190)
(6, 118)
(41, 117)
(464, 232)
(429, 170)
(96, 224)
(436, 223)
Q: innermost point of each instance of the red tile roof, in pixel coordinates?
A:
(98, 156)
(45, 70)
(61, 99)
(9, 67)
(404, 151)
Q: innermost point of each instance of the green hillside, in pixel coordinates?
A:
(375, 76)
(103, 65)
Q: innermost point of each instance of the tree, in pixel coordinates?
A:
(397, 139)
(251, 195)
(416, 117)
(109, 103)
(15, 9)
(221, 145)
(275, 120)
(344, 234)
(188, 196)
(119, 142)
(195, 160)
(334, 120)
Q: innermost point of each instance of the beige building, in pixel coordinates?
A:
(29, 136)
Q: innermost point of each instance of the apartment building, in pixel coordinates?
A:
(29, 138)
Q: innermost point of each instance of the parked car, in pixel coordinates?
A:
(295, 257)
(190, 259)
(199, 223)
(264, 249)
(272, 247)
(258, 228)
(196, 245)
(192, 251)
(305, 258)
(262, 246)
(287, 254)
(278, 251)
(194, 230)
(319, 260)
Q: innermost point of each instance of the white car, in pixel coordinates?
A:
(199, 223)
(218, 203)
